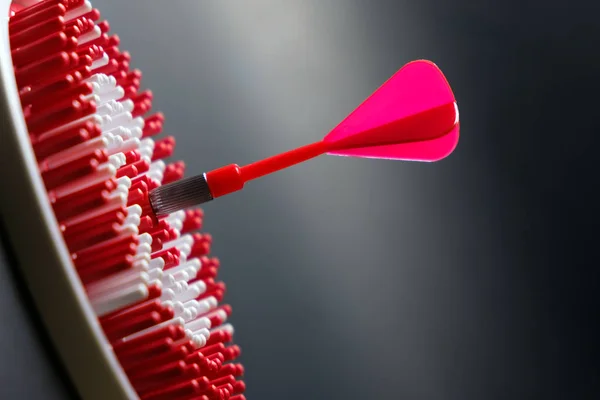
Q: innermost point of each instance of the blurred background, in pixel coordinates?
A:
(472, 278)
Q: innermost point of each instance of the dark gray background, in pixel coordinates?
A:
(472, 278)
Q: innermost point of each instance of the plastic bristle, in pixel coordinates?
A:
(149, 280)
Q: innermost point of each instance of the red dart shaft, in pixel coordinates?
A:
(283, 160)
(231, 178)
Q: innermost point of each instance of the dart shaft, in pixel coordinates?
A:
(231, 178)
(283, 160)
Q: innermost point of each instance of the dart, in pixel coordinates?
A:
(411, 117)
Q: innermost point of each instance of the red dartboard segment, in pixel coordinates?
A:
(148, 281)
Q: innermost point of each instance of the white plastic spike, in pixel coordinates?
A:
(198, 323)
(199, 341)
(157, 169)
(168, 280)
(135, 209)
(128, 229)
(144, 237)
(136, 132)
(207, 304)
(120, 189)
(101, 61)
(192, 291)
(115, 143)
(108, 287)
(177, 224)
(205, 332)
(117, 160)
(174, 321)
(107, 108)
(114, 108)
(102, 83)
(183, 275)
(140, 260)
(192, 266)
(157, 263)
(119, 300)
(114, 94)
(176, 306)
(85, 8)
(180, 287)
(128, 106)
(125, 181)
(137, 122)
(184, 252)
(125, 146)
(155, 274)
(122, 131)
(189, 269)
(168, 293)
(196, 263)
(193, 313)
(89, 36)
(185, 240)
(177, 215)
(115, 280)
(141, 264)
(98, 79)
(116, 120)
(170, 283)
(192, 271)
(148, 142)
(143, 250)
(186, 314)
